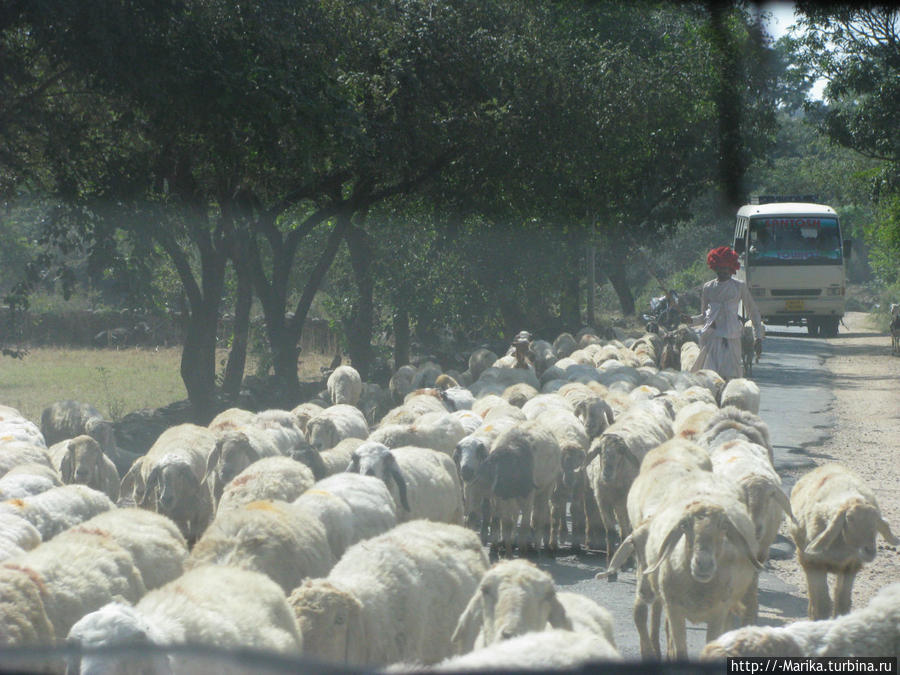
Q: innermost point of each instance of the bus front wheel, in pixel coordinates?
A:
(813, 326)
(829, 326)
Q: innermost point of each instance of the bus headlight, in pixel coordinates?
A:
(834, 290)
(757, 292)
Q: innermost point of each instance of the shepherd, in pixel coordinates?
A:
(720, 336)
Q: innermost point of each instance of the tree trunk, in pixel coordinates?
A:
(615, 272)
(591, 284)
(359, 325)
(401, 337)
(198, 362)
(237, 357)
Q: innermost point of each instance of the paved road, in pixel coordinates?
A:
(796, 404)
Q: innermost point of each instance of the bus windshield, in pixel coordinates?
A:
(779, 240)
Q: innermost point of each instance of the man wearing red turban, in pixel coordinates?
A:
(720, 336)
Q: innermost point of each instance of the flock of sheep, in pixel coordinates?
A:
(352, 529)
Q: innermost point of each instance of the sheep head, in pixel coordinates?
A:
(116, 624)
(513, 598)
(330, 621)
(705, 527)
(311, 458)
(101, 431)
(573, 459)
(321, 433)
(82, 462)
(851, 533)
(169, 482)
(470, 453)
(232, 454)
(376, 459)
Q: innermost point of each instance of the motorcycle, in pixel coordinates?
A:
(664, 314)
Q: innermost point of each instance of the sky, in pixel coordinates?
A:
(781, 19)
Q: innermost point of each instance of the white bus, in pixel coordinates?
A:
(792, 259)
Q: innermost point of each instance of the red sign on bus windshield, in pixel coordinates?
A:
(793, 223)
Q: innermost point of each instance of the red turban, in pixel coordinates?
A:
(725, 257)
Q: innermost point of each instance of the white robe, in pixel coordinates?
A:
(720, 336)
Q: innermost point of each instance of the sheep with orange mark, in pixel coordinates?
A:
(278, 478)
(440, 431)
(334, 424)
(281, 540)
(59, 508)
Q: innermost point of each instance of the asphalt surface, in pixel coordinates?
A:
(796, 403)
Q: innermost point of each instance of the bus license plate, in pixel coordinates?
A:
(793, 305)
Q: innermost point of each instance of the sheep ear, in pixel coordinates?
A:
(784, 503)
(148, 498)
(739, 540)
(67, 464)
(626, 548)
(827, 537)
(885, 531)
(131, 482)
(558, 617)
(468, 625)
(669, 543)
(353, 467)
(213, 458)
(457, 455)
(393, 470)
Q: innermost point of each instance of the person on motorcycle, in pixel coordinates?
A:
(720, 336)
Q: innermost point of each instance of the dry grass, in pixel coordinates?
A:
(114, 382)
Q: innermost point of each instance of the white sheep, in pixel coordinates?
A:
(614, 459)
(534, 407)
(690, 351)
(496, 380)
(732, 423)
(153, 540)
(469, 420)
(19, 429)
(22, 612)
(544, 651)
(278, 478)
(334, 424)
(304, 412)
(278, 539)
(514, 598)
(440, 431)
(25, 480)
(701, 557)
(230, 419)
(17, 535)
(222, 607)
(351, 507)
(522, 470)
(741, 393)
(235, 450)
(282, 428)
(81, 460)
(691, 420)
(519, 394)
(344, 385)
(871, 631)
(837, 522)
(423, 482)
(59, 508)
(331, 461)
(417, 403)
(667, 472)
(395, 597)
(17, 453)
(487, 404)
(78, 572)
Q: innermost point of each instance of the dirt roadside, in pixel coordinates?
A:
(866, 438)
